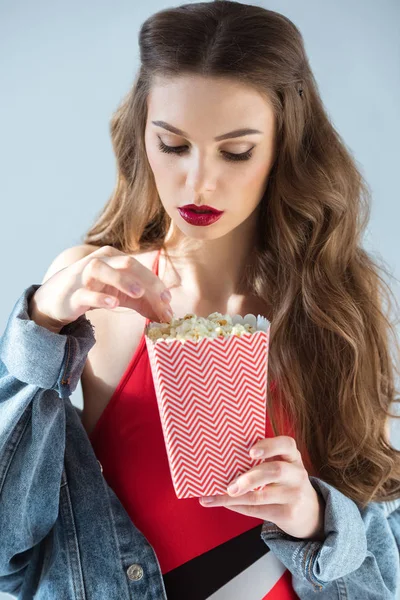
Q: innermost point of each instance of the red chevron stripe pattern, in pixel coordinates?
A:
(211, 397)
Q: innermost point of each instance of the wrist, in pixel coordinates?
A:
(41, 319)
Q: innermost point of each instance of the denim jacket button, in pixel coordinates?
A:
(101, 466)
(135, 572)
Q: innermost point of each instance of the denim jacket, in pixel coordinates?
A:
(64, 533)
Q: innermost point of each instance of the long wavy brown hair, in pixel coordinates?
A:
(329, 353)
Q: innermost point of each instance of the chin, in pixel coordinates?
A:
(211, 232)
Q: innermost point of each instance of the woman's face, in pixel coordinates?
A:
(204, 172)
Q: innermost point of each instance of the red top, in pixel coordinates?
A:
(190, 540)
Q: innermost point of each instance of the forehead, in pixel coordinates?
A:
(194, 102)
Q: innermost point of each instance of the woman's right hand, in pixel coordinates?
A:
(85, 284)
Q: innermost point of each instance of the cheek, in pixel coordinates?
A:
(164, 176)
(254, 177)
(165, 171)
(248, 188)
(155, 160)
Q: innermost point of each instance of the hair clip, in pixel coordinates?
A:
(300, 92)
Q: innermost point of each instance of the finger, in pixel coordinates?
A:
(149, 280)
(267, 473)
(122, 273)
(156, 293)
(270, 494)
(282, 445)
(89, 299)
(272, 512)
(99, 271)
(102, 252)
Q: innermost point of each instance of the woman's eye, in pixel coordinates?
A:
(181, 149)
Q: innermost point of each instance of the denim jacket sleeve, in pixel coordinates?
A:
(358, 557)
(38, 369)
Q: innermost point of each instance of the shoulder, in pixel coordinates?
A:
(67, 257)
(75, 253)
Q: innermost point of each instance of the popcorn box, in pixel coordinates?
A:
(211, 396)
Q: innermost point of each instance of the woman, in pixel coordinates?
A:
(287, 207)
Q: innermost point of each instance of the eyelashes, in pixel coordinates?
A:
(181, 149)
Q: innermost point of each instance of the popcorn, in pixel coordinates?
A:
(192, 327)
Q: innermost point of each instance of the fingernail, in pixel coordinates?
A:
(207, 499)
(232, 489)
(135, 288)
(168, 314)
(256, 452)
(110, 301)
(166, 296)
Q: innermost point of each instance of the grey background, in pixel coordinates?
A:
(64, 67)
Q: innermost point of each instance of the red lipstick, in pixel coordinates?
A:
(200, 215)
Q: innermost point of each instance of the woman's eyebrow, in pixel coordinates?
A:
(224, 136)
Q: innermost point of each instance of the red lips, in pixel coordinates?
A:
(202, 208)
(191, 214)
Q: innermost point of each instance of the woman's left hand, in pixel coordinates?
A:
(289, 500)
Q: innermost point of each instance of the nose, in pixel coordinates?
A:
(201, 177)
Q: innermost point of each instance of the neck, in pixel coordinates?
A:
(208, 268)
